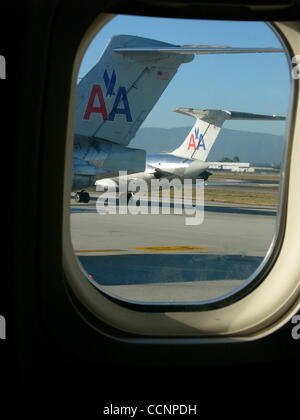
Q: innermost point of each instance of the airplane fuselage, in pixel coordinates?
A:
(168, 162)
(97, 159)
(163, 165)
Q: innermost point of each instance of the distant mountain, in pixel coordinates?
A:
(249, 147)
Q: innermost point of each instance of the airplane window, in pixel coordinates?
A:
(178, 206)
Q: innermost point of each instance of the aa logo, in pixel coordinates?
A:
(2, 328)
(96, 102)
(194, 138)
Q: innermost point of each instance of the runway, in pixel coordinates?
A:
(158, 257)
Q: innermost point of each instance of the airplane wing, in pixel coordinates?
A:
(196, 169)
(157, 172)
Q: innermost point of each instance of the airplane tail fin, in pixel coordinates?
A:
(203, 134)
(116, 95)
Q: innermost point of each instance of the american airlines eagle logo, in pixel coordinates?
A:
(192, 141)
(96, 102)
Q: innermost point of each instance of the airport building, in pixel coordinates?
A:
(231, 166)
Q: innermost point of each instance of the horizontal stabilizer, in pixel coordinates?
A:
(218, 116)
(196, 49)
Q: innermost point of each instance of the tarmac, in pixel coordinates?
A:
(161, 258)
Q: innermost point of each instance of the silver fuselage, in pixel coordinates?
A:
(97, 159)
(168, 162)
(158, 166)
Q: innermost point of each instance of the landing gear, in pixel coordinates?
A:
(128, 197)
(204, 175)
(82, 197)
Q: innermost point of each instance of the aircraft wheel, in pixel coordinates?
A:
(128, 197)
(82, 197)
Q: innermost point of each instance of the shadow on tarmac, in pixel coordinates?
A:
(168, 268)
(207, 208)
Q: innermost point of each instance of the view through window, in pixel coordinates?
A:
(177, 206)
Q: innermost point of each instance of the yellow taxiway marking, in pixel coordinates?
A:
(172, 248)
(99, 250)
(150, 248)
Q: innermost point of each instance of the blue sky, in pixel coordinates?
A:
(258, 83)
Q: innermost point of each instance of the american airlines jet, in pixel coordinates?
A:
(188, 161)
(115, 97)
